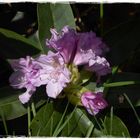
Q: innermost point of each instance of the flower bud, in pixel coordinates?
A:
(93, 102)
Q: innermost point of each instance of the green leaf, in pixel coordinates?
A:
(9, 103)
(60, 128)
(78, 125)
(13, 45)
(11, 106)
(115, 95)
(45, 121)
(117, 127)
(84, 76)
(124, 83)
(53, 15)
(74, 123)
(84, 123)
(97, 133)
(123, 40)
(91, 86)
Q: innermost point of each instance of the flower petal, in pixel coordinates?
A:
(53, 89)
(99, 65)
(18, 80)
(64, 43)
(25, 97)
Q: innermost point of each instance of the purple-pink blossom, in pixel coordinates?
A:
(99, 65)
(57, 74)
(81, 49)
(26, 75)
(65, 42)
(93, 102)
(49, 70)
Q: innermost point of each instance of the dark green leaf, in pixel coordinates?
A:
(117, 127)
(78, 125)
(13, 45)
(9, 103)
(97, 133)
(53, 15)
(45, 121)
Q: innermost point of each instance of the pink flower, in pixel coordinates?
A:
(49, 70)
(93, 102)
(26, 75)
(57, 74)
(99, 65)
(81, 49)
(65, 42)
(88, 45)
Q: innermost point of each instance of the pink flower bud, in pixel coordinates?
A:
(93, 102)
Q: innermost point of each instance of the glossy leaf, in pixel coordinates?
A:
(9, 103)
(53, 15)
(11, 106)
(45, 121)
(117, 127)
(75, 123)
(12, 43)
(78, 125)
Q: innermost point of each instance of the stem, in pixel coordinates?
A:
(33, 109)
(111, 120)
(4, 122)
(101, 17)
(97, 122)
(29, 119)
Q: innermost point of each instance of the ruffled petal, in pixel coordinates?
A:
(18, 80)
(99, 65)
(64, 43)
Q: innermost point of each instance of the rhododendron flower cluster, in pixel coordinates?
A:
(81, 49)
(48, 70)
(52, 69)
